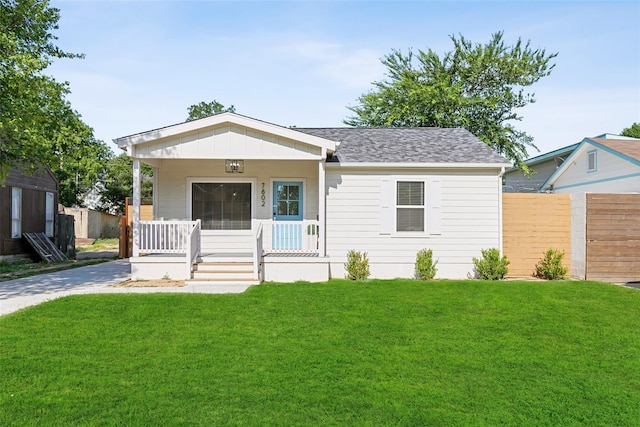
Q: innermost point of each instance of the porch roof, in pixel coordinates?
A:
(183, 133)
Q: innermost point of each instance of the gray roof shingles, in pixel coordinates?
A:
(406, 145)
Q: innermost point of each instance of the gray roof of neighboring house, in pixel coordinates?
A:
(406, 145)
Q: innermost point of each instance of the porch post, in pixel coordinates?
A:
(322, 206)
(136, 208)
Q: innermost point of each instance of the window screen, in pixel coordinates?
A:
(222, 205)
(410, 206)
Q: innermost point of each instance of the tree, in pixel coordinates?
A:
(37, 124)
(32, 105)
(118, 183)
(204, 109)
(477, 87)
(633, 131)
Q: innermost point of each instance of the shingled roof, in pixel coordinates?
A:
(406, 145)
(628, 147)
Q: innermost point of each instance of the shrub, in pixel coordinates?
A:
(550, 265)
(492, 266)
(357, 265)
(425, 266)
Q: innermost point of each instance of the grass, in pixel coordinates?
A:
(400, 353)
(100, 245)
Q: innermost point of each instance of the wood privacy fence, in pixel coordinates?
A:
(613, 237)
(126, 237)
(532, 224)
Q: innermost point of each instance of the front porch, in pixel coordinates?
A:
(229, 193)
(283, 251)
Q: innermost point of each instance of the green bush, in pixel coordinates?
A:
(425, 266)
(357, 265)
(550, 265)
(492, 266)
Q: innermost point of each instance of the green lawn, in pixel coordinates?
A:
(400, 353)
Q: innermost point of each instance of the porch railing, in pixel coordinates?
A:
(193, 247)
(257, 255)
(291, 236)
(169, 237)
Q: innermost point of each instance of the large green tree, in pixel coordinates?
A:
(37, 124)
(633, 131)
(475, 86)
(206, 109)
(118, 183)
(32, 105)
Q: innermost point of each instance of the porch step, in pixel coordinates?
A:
(210, 270)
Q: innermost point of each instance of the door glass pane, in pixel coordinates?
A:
(282, 192)
(282, 208)
(293, 208)
(293, 192)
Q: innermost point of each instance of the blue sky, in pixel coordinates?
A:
(302, 63)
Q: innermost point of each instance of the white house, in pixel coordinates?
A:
(239, 199)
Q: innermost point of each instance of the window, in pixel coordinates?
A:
(16, 212)
(222, 205)
(409, 206)
(592, 161)
(48, 227)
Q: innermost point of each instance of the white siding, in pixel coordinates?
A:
(605, 179)
(171, 184)
(227, 142)
(226, 243)
(469, 212)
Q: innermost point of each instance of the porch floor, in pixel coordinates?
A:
(237, 255)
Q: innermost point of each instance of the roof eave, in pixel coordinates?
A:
(395, 165)
(129, 141)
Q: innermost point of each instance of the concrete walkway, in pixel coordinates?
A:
(93, 279)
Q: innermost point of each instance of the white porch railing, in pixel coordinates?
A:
(193, 247)
(290, 236)
(183, 237)
(167, 237)
(259, 251)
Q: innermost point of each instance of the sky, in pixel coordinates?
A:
(302, 63)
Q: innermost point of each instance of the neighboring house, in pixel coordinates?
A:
(603, 164)
(543, 166)
(27, 204)
(248, 200)
(92, 198)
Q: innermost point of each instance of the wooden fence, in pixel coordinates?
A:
(531, 224)
(126, 237)
(613, 237)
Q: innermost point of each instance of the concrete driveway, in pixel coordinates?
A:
(19, 293)
(92, 279)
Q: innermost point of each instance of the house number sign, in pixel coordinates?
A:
(263, 195)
